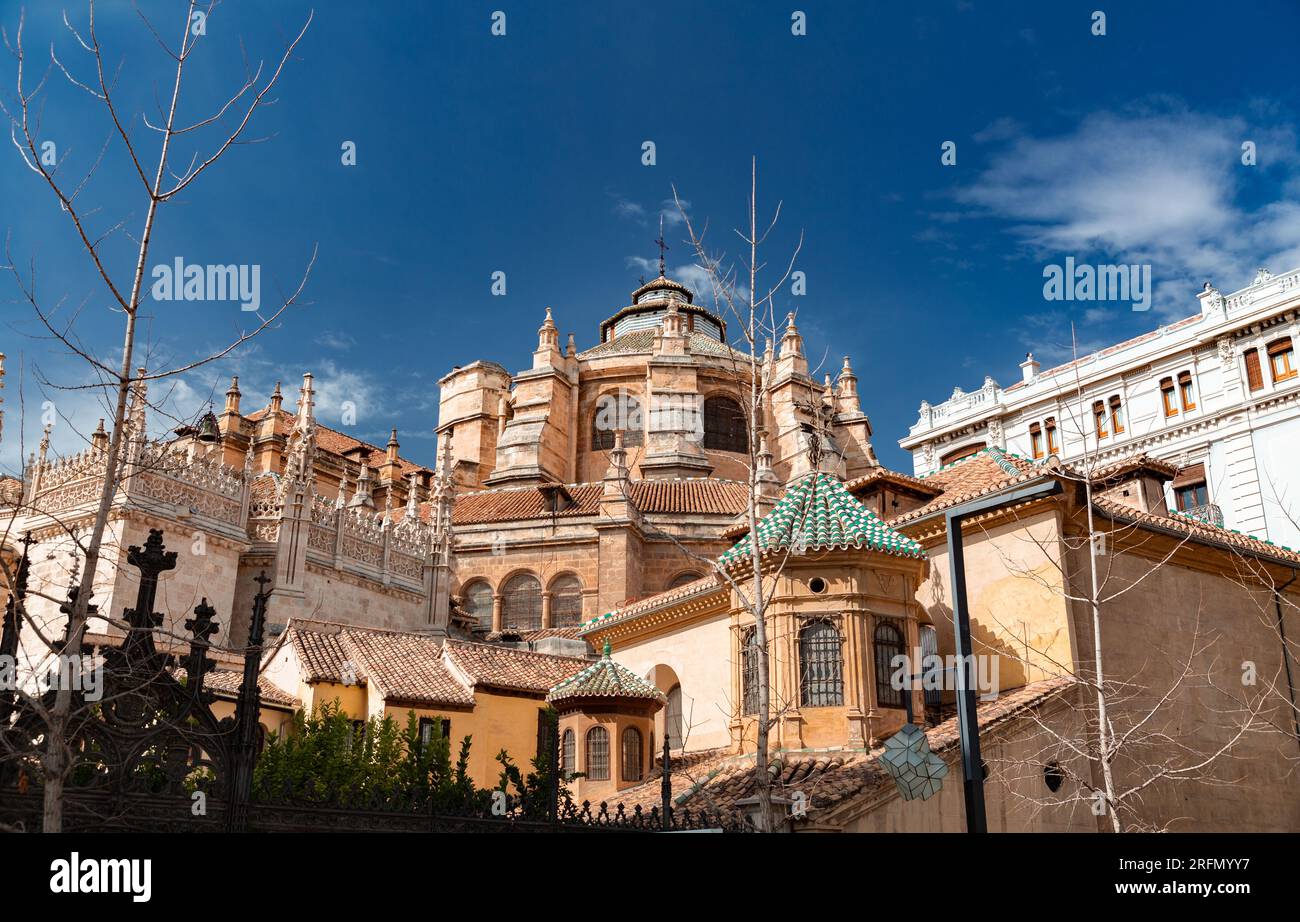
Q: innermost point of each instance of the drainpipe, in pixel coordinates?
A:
(1286, 654)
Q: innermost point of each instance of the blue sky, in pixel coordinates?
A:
(522, 154)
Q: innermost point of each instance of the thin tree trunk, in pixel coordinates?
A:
(57, 757)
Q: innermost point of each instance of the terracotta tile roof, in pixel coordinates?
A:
(509, 504)
(505, 667)
(335, 442)
(568, 633)
(699, 496)
(828, 778)
(818, 513)
(1134, 463)
(605, 679)
(225, 683)
(987, 470)
(320, 651)
(703, 586)
(878, 474)
(1200, 531)
(694, 495)
(406, 667)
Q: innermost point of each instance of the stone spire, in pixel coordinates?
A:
(341, 501)
(412, 500)
(791, 359)
(548, 344)
(277, 400)
(302, 439)
(232, 396)
(362, 498)
(136, 411)
(99, 438)
(616, 475)
(848, 389)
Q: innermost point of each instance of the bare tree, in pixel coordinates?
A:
(1119, 741)
(118, 378)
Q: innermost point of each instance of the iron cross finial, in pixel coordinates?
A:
(662, 246)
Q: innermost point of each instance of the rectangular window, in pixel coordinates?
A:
(426, 730)
(1099, 419)
(1036, 440)
(1116, 415)
(1191, 496)
(1254, 374)
(1190, 489)
(1167, 396)
(1281, 359)
(1185, 391)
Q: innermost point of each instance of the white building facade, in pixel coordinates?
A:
(1217, 394)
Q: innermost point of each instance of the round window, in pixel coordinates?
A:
(817, 585)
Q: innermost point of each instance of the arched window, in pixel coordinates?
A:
(673, 718)
(598, 754)
(566, 601)
(681, 579)
(958, 453)
(724, 425)
(749, 672)
(632, 755)
(619, 410)
(821, 666)
(478, 604)
(521, 603)
(568, 753)
(889, 644)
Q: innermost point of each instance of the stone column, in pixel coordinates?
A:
(546, 609)
(497, 599)
(869, 673)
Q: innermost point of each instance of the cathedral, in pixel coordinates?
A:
(595, 478)
(617, 499)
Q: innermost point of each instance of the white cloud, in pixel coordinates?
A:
(1159, 186)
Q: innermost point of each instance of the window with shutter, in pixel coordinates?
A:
(1281, 359)
(1254, 374)
(1167, 396)
(1185, 390)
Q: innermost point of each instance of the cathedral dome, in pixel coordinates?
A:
(662, 289)
(651, 302)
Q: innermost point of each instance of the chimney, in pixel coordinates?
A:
(1029, 367)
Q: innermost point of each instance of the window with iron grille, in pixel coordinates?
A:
(888, 644)
(931, 682)
(613, 412)
(478, 604)
(749, 672)
(821, 665)
(521, 603)
(569, 753)
(632, 754)
(598, 754)
(566, 601)
(724, 425)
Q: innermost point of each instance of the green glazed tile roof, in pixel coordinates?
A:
(606, 679)
(818, 513)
